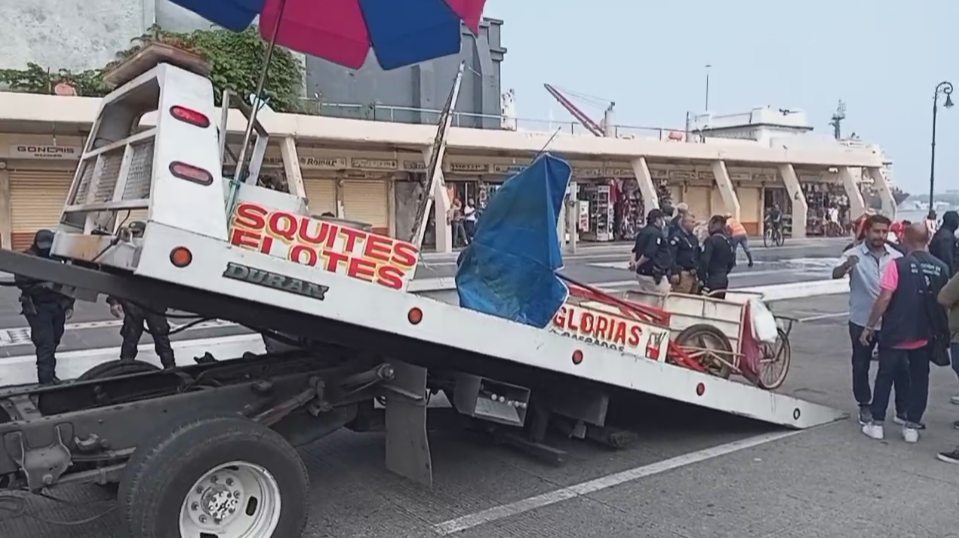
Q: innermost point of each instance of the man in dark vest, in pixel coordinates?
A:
(913, 327)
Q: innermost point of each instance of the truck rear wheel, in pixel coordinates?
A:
(216, 478)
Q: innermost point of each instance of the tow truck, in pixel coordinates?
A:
(209, 449)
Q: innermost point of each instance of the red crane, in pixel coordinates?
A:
(591, 126)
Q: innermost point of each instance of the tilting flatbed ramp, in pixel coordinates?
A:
(413, 328)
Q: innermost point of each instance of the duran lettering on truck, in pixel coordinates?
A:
(324, 245)
(611, 331)
(269, 279)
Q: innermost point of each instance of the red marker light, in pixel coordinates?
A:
(700, 389)
(181, 257)
(191, 173)
(414, 316)
(577, 357)
(192, 117)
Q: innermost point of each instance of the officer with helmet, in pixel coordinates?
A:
(46, 309)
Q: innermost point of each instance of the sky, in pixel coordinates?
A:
(884, 58)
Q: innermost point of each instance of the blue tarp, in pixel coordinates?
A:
(509, 270)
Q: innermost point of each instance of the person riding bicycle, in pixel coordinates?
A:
(774, 219)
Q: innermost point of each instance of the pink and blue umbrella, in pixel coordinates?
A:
(400, 32)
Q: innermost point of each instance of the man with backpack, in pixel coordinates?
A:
(915, 331)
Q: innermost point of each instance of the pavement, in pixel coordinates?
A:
(692, 474)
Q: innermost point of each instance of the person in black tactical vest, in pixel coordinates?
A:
(46, 309)
(651, 257)
(915, 330)
(716, 260)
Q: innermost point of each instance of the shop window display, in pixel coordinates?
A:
(779, 196)
(828, 209)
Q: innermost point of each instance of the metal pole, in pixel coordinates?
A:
(707, 87)
(237, 175)
(932, 160)
(943, 88)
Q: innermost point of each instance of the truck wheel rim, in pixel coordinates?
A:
(234, 500)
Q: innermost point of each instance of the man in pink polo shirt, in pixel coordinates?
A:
(910, 313)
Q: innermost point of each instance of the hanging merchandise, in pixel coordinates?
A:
(630, 210)
(601, 211)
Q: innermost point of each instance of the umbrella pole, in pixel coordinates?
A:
(241, 160)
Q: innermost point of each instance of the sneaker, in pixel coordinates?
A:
(956, 424)
(954, 400)
(910, 434)
(50, 382)
(901, 420)
(873, 430)
(949, 457)
(865, 416)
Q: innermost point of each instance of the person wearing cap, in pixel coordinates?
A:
(135, 315)
(651, 257)
(46, 309)
(716, 260)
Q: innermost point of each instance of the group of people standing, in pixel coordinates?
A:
(668, 256)
(47, 310)
(904, 309)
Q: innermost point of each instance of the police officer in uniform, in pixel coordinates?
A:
(651, 257)
(47, 311)
(685, 249)
(717, 260)
(134, 316)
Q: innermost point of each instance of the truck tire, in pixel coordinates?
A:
(116, 369)
(218, 477)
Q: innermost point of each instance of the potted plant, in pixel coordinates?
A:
(152, 48)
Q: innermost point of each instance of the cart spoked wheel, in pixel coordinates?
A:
(216, 477)
(117, 368)
(708, 346)
(774, 365)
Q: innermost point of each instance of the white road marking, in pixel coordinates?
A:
(586, 488)
(19, 336)
(820, 317)
(22, 370)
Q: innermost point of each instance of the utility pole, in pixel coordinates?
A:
(708, 67)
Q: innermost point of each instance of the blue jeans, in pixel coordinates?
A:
(890, 361)
(954, 352)
(741, 241)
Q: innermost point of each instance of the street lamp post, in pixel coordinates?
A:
(944, 88)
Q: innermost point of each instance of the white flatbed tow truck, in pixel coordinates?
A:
(209, 449)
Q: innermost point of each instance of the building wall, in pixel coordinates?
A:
(423, 86)
(69, 34)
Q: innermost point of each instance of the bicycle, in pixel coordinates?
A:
(774, 235)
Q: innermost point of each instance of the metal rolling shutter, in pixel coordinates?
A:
(321, 194)
(366, 201)
(697, 198)
(36, 201)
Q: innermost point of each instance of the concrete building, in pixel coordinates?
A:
(790, 129)
(359, 170)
